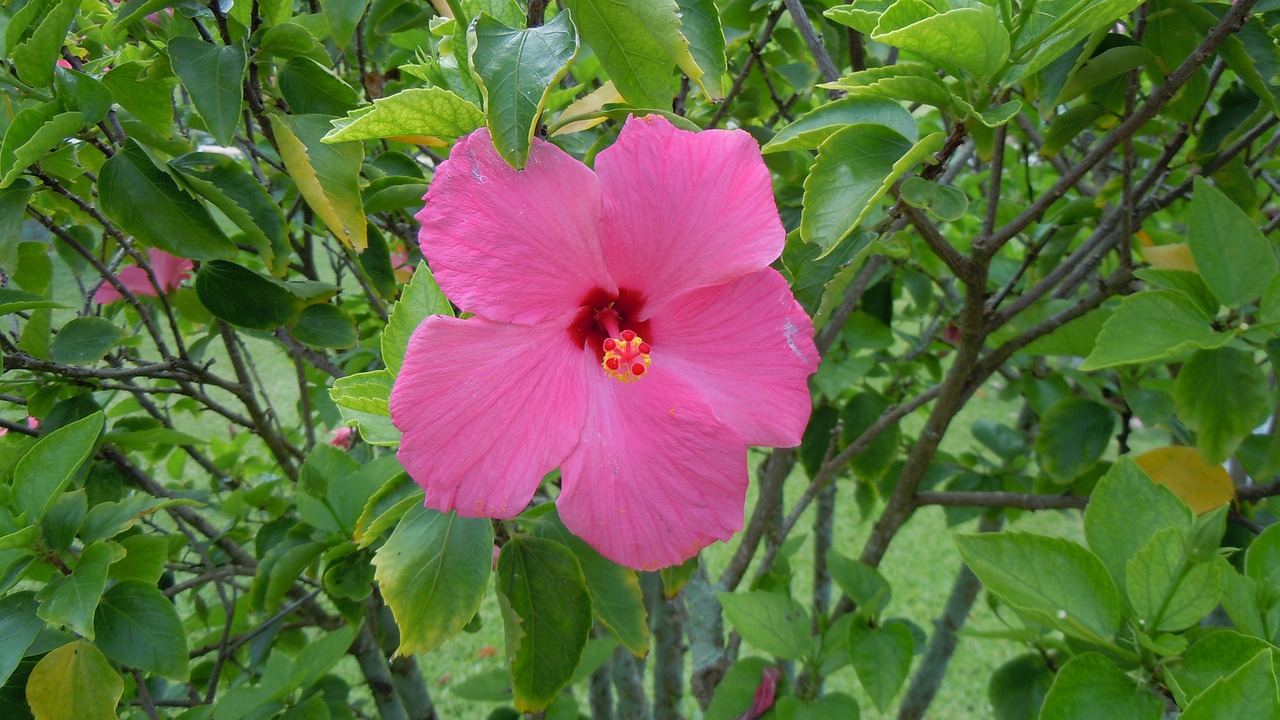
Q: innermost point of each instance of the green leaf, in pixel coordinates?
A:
(63, 519)
(634, 53)
(615, 591)
(861, 582)
(1091, 687)
(146, 94)
(970, 38)
(858, 415)
(108, 519)
(19, 625)
(1250, 693)
(861, 15)
(809, 130)
(287, 40)
(82, 92)
(85, 340)
(1150, 326)
(244, 297)
(367, 392)
(882, 658)
(1104, 67)
(12, 300)
(1167, 590)
(312, 89)
(945, 202)
(700, 24)
(385, 507)
(855, 167)
(47, 469)
(420, 299)
(1073, 435)
(1212, 658)
(231, 189)
(1234, 258)
(518, 68)
(328, 176)
(32, 134)
(1056, 26)
(144, 559)
(343, 17)
(139, 627)
(74, 682)
(769, 621)
(35, 55)
(831, 706)
(412, 113)
(325, 326)
(1125, 510)
(71, 599)
(1222, 395)
(214, 76)
(433, 571)
(735, 692)
(1055, 581)
(1018, 687)
(144, 201)
(546, 612)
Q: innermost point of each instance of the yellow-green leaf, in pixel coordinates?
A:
(1184, 471)
(74, 682)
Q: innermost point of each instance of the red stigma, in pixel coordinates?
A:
(610, 344)
(637, 369)
(644, 348)
(628, 336)
(612, 363)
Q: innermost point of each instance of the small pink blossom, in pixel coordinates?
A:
(169, 270)
(62, 63)
(766, 692)
(343, 438)
(401, 265)
(628, 329)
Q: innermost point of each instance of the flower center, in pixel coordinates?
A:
(626, 357)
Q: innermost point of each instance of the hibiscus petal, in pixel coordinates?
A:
(685, 209)
(513, 246)
(133, 278)
(170, 270)
(747, 347)
(656, 477)
(487, 409)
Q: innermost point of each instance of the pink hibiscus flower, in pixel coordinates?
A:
(169, 271)
(343, 438)
(627, 329)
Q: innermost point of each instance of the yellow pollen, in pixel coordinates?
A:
(624, 355)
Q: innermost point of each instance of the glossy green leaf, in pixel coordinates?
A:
(1018, 687)
(147, 203)
(12, 300)
(1168, 591)
(809, 130)
(244, 297)
(312, 89)
(32, 133)
(144, 559)
(831, 706)
(74, 682)
(518, 69)
(1234, 258)
(214, 76)
(861, 582)
(1073, 435)
(246, 203)
(325, 326)
(19, 625)
(1053, 580)
(138, 626)
(700, 24)
(145, 93)
(546, 612)
(1150, 326)
(615, 591)
(433, 571)
(48, 467)
(1091, 687)
(367, 392)
(1250, 693)
(326, 175)
(1222, 395)
(420, 299)
(970, 38)
(881, 657)
(945, 202)
(1125, 510)
(343, 17)
(85, 340)
(863, 410)
(35, 54)
(861, 15)
(636, 56)
(1210, 659)
(769, 621)
(855, 167)
(1058, 25)
(83, 93)
(385, 507)
(71, 599)
(108, 519)
(412, 113)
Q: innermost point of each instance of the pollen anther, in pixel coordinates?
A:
(626, 357)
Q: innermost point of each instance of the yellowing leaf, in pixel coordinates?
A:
(74, 682)
(1184, 471)
(591, 103)
(1169, 257)
(326, 175)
